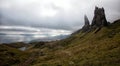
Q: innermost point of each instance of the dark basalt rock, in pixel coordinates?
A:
(99, 19)
(86, 26)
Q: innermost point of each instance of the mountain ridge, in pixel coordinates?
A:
(99, 45)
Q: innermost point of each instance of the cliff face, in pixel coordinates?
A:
(99, 19)
(86, 26)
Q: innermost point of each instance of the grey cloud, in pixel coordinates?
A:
(27, 13)
(11, 38)
(51, 15)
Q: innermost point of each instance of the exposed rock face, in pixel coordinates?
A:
(99, 19)
(86, 26)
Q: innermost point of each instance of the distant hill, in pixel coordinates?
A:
(54, 38)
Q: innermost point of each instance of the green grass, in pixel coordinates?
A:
(92, 49)
(81, 49)
(11, 56)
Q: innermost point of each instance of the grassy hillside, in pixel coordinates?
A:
(85, 49)
(11, 56)
(81, 49)
(17, 45)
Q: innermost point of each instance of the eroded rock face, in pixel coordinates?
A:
(99, 19)
(86, 26)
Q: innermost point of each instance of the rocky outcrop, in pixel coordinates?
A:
(86, 26)
(99, 19)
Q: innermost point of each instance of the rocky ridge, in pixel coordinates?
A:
(99, 21)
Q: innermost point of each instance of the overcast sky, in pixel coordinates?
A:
(51, 17)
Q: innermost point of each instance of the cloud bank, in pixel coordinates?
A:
(50, 17)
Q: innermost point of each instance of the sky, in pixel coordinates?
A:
(21, 20)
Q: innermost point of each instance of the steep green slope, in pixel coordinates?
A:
(80, 49)
(85, 49)
(11, 56)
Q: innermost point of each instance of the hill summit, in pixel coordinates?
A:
(99, 21)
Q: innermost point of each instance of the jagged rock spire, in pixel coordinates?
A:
(86, 20)
(99, 19)
(86, 26)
